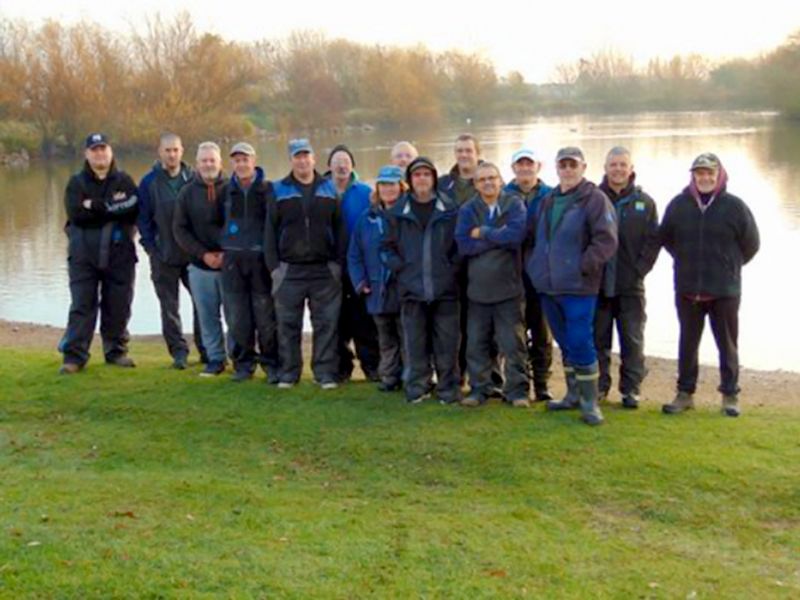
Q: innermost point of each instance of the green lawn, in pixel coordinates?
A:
(155, 483)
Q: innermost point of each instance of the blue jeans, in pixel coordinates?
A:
(207, 297)
(571, 319)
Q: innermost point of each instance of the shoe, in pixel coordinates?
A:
(241, 375)
(180, 362)
(121, 361)
(418, 399)
(683, 401)
(285, 385)
(272, 376)
(571, 400)
(213, 368)
(730, 405)
(385, 386)
(542, 394)
(372, 376)
(521, 403)
(495, 392)
(70, 369)
(473, 400)
(328, 384)
(630, 401)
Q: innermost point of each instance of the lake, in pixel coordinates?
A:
(760, 152)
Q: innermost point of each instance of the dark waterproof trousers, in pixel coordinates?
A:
(108, 289)
(442, 319)
(501, 323)
(628, 314)
(723, 313)
(539, 340)
(247, 291)
(357, 326)
(166, 280)
(323, 291)
(390, 342)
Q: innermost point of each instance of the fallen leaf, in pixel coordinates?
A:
(190, 517)
(652, 585)
(122, 513)
(497, 573)
(34, 543)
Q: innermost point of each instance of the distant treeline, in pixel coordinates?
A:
(59, 81)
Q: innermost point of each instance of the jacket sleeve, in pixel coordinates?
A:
(666, 231)
(512, 233)
(271, 256)
(652, 243)
(125, 209)
(73, 203)
(602, 233)
(749, 239)
(182, 229)
(146, 221)
(355, 259)
(340, 231)
(468, 246)
(390, 245)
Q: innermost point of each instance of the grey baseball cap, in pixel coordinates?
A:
(572, 152)
(243, 148)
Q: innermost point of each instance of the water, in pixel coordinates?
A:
(761, 154)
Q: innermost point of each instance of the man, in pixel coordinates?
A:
(246, 283)
(422, 253)
(197, 225)
(526, 166)
(710, 234)
(622, 300)
(458, 183)
(303, 249)
(102, 207)
(573, 236)
(158, 192)
(355, 323)
(402, 154)
(489, 232)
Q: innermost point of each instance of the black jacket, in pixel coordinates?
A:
(637, 233)
(245, 213)
(108, 224)
(198, 218)
(300, 233)
(709, 246)
(157, 211)
(426, 261)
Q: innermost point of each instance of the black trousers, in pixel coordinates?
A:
(723, 313)
(390, 341)
(167, 280)
(247, 291)
(109, 290)
(357, 326)
(629, 316)
(539, 338)
(324, 296)
(441, 319)
(503, 324)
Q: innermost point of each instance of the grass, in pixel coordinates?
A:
(153, 483)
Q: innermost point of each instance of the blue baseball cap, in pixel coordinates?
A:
(299, 145)
(96, 139)
(390, 174)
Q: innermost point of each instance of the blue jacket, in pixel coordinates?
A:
(426, 261)
(494, 261)
(366, 263)
(354, 202)
(568, 256)
(533, 198)
(156, 211)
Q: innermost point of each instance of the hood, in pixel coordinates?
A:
(722, 184)
(422, 161)
(257, 179)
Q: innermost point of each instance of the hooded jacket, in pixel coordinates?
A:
(709, 242)
(366, 263)
(245, 213)
(494, 261)
(569, 252)
(156, 212)
(637, 227)
(199, 217)
(448, 185)
(108, 224)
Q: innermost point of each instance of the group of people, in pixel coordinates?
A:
(435, 281)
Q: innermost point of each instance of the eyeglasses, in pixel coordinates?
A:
(487, 179)
(568, 164)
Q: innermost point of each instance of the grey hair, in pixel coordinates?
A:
(213, 146)
(618, 151)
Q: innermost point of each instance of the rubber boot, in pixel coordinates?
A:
(571, 399)
(730, 405)
(587, 379)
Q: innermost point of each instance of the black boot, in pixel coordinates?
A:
(571, 399)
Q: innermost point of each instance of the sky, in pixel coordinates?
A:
(528, 36)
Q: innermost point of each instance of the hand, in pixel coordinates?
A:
(366, 290)
(213, 260)
(475, 234)
(87, 204)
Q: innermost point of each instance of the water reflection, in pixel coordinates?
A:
(761, 154)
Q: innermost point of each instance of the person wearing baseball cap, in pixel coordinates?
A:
(710, 234)
(245, 280)
(526, 164)
(574, 235)
(304, 252)
(102, 206)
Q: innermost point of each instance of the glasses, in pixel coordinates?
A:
(487, 179)
(568, 164)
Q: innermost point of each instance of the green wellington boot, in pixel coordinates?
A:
(587, 378)
(571, 400)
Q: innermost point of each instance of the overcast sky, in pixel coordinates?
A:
(528, 36)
